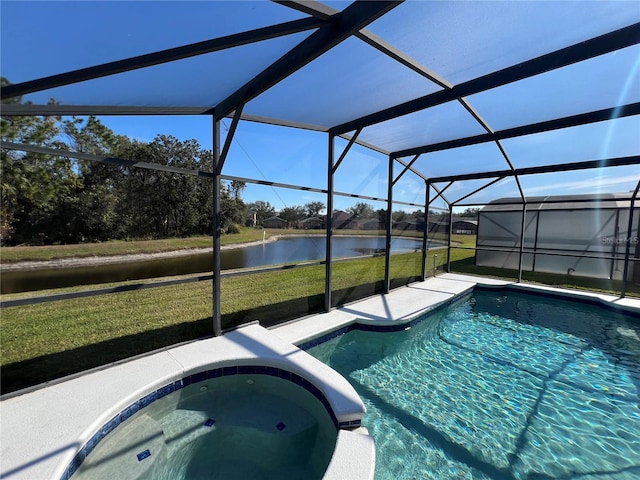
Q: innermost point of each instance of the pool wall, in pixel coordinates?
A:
(178, 385)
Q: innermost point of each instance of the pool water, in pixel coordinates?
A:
(500, 387)
(237, 427)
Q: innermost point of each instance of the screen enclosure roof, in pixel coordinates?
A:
(464, 91)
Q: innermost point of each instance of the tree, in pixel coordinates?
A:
(89, 135)
(361, 210)
(314, 208)
(33, 185)
(470, 212)
(47, 199)
(233, 211)
(263, 210)
(236, 187)
(399, 216)
(293, 214)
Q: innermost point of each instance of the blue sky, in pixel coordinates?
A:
(60, 36)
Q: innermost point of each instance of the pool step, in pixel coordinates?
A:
(182, 427)
(127, 452)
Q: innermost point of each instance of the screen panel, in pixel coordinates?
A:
(66, 35)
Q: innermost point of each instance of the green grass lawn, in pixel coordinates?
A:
(121, 247)
(45, 341)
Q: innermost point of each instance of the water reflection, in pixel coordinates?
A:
(287, 250)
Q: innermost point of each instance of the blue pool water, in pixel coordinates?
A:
(235, 427)
(500, 386)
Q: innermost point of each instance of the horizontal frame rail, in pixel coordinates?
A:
(549, 252)
(183, 171)
(18, 302)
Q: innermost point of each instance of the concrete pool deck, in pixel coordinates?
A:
(42, 429)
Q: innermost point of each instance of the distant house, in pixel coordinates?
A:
(343, 220)
(415, 225)
(312, 223)
(438, 227)
(275, 222)
(468, 227)
(372, 224)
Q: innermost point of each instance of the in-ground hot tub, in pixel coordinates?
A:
(268, 409)
(254, 422)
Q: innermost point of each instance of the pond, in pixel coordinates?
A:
(284, 251)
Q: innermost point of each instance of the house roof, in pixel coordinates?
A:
(435, 85)
(562, 202)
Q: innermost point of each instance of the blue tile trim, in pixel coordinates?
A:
(368, 327)
(326, 337)
(145, 401)
(351, 424)
(596, 302)
(514, 289)
(142, 455)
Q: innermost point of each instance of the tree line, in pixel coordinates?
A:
(57, 200)
(54, 200)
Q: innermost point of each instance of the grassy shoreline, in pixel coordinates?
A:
(118, 247)
(133, 247)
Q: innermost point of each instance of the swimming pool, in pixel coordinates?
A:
(499, 386)
(267, 424)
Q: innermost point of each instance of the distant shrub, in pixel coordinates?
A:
(233, 228)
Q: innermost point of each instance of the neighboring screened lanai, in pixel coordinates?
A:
(437, 106)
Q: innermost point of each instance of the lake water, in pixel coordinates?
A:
(285, 251)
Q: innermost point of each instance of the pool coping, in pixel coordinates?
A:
(403, 305)
(43, 429)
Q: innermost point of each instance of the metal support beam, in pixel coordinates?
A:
(402, 58)
(563, 167)
(56, 110)
(324, 12)
(476, 191)
(56, 152)
(309, 7)
(449, 239)
(522, 229)
(405, 169)
(388, 227)
(217, 231)
(229, 139)
(329, 227)
(411, 169)
(425, 234)
(489, 130)
(540, 127)
(352, 140)
(440, 192)
(578, 52)
(341, 26)
(512, 169)
(160, 57)
(627, 250)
